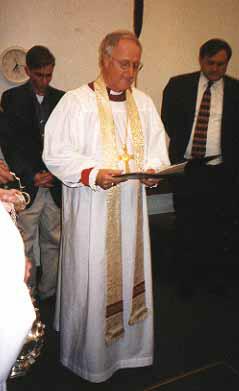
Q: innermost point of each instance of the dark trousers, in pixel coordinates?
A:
(204, 205)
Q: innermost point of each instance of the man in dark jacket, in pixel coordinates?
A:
(200, 114)
(30, 105)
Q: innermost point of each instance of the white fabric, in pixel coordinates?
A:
(213, 146)
(17, 312)
(72, 143)
(92, 179)
(40, 98)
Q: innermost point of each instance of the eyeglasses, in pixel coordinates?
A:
(125, 65)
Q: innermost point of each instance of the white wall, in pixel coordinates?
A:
(72, 29)
(172, 32)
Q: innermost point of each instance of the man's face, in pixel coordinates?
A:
(40, 78)
(214, 67)
(119, 70)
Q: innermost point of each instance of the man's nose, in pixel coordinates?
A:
(45, 80)
(215, 67)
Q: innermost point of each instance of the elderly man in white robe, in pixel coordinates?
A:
(96, 133)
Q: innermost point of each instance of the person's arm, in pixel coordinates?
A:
(5, 174)
(12, 142)
(6, 101)
(17, 312)
(168, 108)
(70, 142)
(17, 149)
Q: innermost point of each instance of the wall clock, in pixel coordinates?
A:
(12, 64)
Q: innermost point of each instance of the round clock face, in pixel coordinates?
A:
(13, 62)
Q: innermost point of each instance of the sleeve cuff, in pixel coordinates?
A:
(92, 179)
(85, 176)
(88, 178)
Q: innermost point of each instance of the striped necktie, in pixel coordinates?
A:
(200, 133)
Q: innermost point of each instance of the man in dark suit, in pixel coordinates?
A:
(30, 106)
(202, 198)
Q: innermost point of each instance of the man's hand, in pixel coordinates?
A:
(150, 182)
(106, 178)
(10, 195)
(5, 175)
(43, 179)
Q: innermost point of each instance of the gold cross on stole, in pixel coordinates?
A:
(125, 157)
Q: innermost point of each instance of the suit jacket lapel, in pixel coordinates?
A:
(31, 110)
(51, 101)
(190, 102)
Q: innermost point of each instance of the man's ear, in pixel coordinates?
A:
(105, 61)
(27, 70)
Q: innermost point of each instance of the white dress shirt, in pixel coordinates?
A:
(213, 146)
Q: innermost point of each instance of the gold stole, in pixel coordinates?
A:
(114, 327)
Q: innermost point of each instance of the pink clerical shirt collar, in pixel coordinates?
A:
(113, 95)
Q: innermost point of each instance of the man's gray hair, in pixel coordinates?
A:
(111, 40)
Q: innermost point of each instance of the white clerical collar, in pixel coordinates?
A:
(115, 96)
(115, 92)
